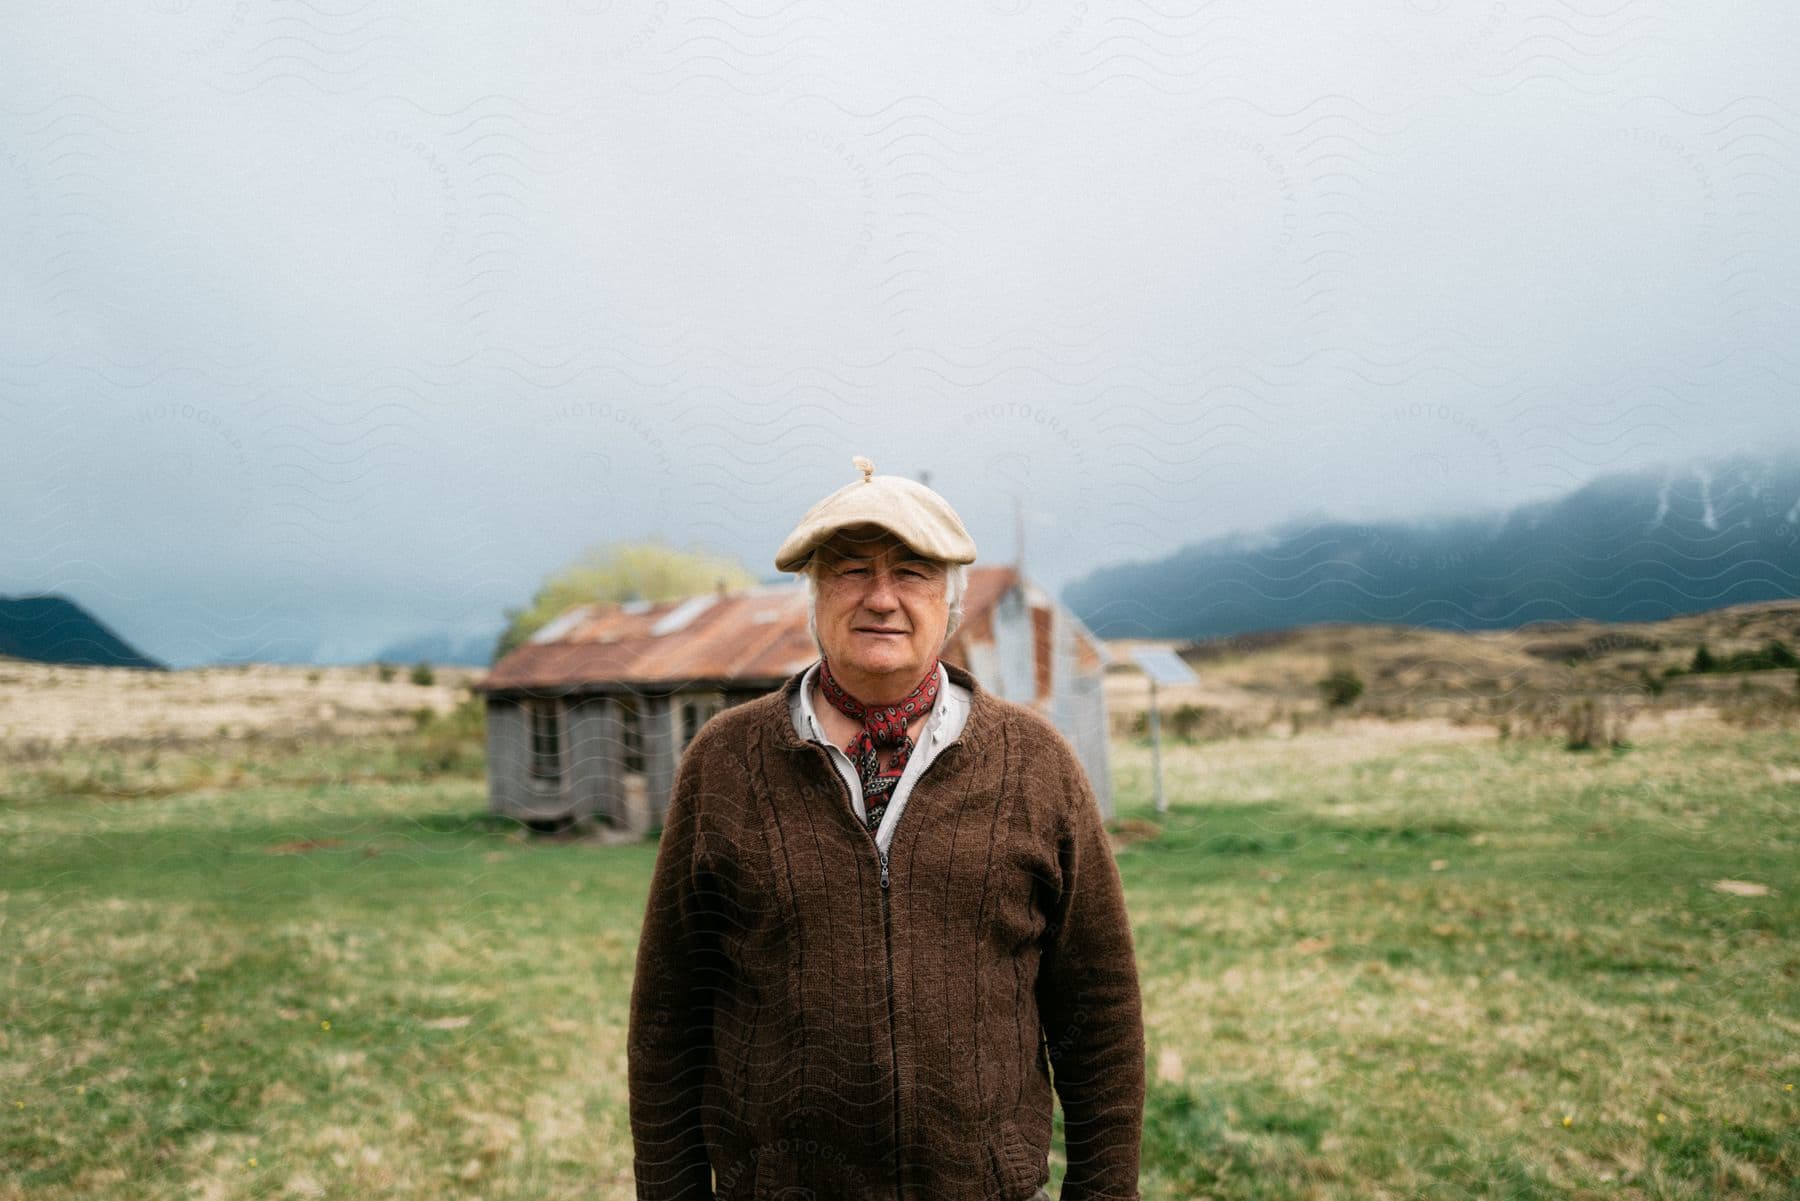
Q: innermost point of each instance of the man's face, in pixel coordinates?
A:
(881, 612)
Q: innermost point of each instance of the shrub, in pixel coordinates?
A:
(422, 674)
(1184, 721)
(1652, 684)
(1771, 657)
(1588, 723)
(447, 743)
(1581, 725)
(1341, 686)
(384, 672)
(1615, 733)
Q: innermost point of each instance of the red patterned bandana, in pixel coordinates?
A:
(883, 726)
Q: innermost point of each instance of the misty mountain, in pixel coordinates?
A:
(473, 651)
(1631, 546)
(54, 629)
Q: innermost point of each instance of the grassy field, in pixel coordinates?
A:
(1388, 966)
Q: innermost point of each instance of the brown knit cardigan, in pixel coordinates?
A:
(810, 1022)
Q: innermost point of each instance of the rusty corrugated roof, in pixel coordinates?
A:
(749, 638)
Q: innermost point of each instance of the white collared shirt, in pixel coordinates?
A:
(948, 714)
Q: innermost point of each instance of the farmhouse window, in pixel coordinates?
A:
(695, 714)
(632, 733)
(546, 740)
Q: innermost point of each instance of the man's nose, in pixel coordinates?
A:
(881, 593)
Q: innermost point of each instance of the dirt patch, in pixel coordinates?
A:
(302, 846)
(587, 834)
(1129, 830)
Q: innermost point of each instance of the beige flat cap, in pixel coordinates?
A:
(918, 516)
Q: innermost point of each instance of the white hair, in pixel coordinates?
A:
(956, 587)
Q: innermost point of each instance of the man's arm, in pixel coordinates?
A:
(1091, 1009)
(670, 1040)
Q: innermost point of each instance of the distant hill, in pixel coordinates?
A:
(474, 651)
(1633, 546)
(54, 629)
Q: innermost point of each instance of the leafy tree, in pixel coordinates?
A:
(1703, 659)
(620, 571)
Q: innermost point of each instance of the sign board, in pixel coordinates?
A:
(1163, 665)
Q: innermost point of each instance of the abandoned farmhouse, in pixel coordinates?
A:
(589, 718)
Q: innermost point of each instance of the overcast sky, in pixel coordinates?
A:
(328, 322)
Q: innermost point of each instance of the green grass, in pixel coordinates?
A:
(1369, 972)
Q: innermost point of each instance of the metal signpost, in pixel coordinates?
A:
(1162, 666)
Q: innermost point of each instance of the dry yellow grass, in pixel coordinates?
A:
(1259, 680)
(45, 707)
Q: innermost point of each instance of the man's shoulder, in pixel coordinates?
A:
(1041, 752)
(1021, 722)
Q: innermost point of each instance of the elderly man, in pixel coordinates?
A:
(884, 907)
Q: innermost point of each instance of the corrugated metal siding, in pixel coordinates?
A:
(662, 738)
(983, 662)
(508, 742)
(585, 726)
(1087, 720)
(1078, 705)
(1087, 733)
(512, 789)
(609, 760)
(1017, 676)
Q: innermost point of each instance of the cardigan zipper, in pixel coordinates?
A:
(887, 938)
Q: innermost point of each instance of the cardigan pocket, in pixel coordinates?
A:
(1015, 1163)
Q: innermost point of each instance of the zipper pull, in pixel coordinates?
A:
(884, 875)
